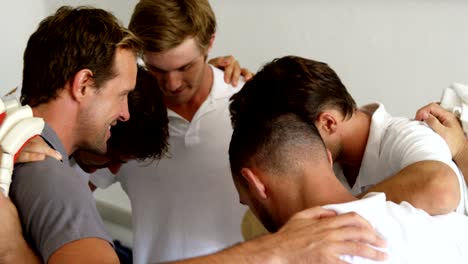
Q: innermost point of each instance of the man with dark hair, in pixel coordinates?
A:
(143, 137)
(374, 151)
(280, 166)
(79, 67)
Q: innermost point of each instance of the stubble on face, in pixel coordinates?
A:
(108, 104)
(96, 139)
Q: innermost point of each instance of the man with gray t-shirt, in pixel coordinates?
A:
(79, 67)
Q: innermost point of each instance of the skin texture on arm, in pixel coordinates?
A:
(420, 180)
(315, 235)
(13, 247)
(89, 250)
(448, 127)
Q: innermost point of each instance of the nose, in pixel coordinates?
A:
(124, 113)
(173, 81)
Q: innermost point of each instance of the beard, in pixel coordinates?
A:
(94, 137)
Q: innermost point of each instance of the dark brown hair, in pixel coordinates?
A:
(291, 85)
(71, 40)
(145, 134)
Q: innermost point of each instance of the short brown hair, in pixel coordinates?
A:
(292, 85)
(145, 135)
(165, 24)
(71, 40)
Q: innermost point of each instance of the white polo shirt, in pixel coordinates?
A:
(395, 143)
(412, 235)
(186, 205)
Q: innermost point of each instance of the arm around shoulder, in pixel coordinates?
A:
(315, 235)
(429, 185)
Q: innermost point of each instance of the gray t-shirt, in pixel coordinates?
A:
(54, 202)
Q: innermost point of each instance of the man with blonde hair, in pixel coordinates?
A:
(183, 205)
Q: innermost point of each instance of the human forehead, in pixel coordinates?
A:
(125, 66)
(174, 58)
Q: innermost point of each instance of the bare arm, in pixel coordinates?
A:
(315, 235)
(89, 250)
(461, 159)
(448, 127)
(13, 247)
(429, 185)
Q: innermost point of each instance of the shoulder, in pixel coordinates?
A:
(55, 205)
(221, 88)
(406, 131)
(412, 141)
(46, 175)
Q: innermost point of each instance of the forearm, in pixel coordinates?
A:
(256, 251)
(21, 254)
(429, 185)
(461, 159)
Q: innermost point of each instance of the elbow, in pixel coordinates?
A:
(445, 194)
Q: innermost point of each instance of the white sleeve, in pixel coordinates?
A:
(102, 178)
(406, 142)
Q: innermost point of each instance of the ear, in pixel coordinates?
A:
(210, 45)
(255, 183)
(326, 123)
(82, 84)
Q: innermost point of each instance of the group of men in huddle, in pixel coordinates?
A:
(331, 181)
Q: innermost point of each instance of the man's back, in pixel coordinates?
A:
(412, 235)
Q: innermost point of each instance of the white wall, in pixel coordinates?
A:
(401, 53)
(120, 8)
(18, 19)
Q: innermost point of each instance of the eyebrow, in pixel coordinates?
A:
(127, 91)
(152, 67)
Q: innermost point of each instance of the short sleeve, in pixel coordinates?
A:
(56, 206)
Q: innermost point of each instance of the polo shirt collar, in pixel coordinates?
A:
(217, 91)
(377, 129)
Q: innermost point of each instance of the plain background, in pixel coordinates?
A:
(401, 52)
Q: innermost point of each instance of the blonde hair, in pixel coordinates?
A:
(165, 24)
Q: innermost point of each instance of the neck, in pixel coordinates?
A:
(354, 142)
(63, 125)
(189, 109)
(324, 190)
